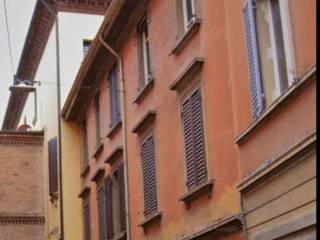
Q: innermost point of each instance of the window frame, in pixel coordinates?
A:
(188, 22)
(97, 118)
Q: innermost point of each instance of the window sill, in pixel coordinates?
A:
(144, 122)
(191, 69)
(98, 151)
(98, 174)
(114, 129)
(186, 37)
(200, 190)
(85, 171)
(280, 101)
(145, 90)
(151, 220)
(117, 152)
(84, 192)
(121, 236)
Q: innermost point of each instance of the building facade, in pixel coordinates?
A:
(22, 213)
(194, 118)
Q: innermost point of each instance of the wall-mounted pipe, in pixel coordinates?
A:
(124, 129)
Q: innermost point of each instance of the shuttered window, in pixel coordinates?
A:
(149, 176)
(87, 228)
(122, 198)
(191, 114)
(97, 118)
(255, 84)
(101, 212)
(84, 144)
(53, 166)
(114, 96)
(109, 208)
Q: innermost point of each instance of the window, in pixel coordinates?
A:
(53, 167)
(195, 157)
(268, 50)
(186, 12)
(86, 218)
(84, 139)
(111, 205)
(86, 44)
(144, 52)
(97, 118)
(114, 96)
(149, 176)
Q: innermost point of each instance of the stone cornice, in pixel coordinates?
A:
(21, 138)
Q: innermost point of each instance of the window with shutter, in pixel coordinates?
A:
(191, 112)
(84, 136)
(114, 96)
(97, 118)
(269, 51)
(255, 84)
(53, 166)
(101, 212)
(149, 176)
(109, 208)
(87, 228)
(122, 198)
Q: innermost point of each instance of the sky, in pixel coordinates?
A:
(19, 13)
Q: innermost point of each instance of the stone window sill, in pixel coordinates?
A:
(114, 129)
(151, 220)
(120, 236)
(200, 190)
(144, 122)
(98, 174)
(98, 151)
(283, 99)
(117, 152)
(144, 91)
(186, 37)
(85, 170)
(84, 192)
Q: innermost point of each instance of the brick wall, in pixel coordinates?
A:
(21, 186)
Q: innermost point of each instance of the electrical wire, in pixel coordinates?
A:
(8, 36)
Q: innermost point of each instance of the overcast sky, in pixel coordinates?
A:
(19, 14)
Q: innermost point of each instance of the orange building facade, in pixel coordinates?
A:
(186, 108)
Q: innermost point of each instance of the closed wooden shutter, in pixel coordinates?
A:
(109, 208)
(101, 213)
(255, 84)
(122, 198)
(149, 176)
(194, 140)
(114, 96)
(84, 144)
(97, 118)
(87, 228)
(53, 166)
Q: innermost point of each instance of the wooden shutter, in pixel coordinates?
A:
(109, 207)
(53, 166)
(194, 140)
(87, 229)
(101, 213)
(122, 198)
(149, 176)
(84, 144)
(114, 96)
(255, 85)
(97, 118)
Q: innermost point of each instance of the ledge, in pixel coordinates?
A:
(117, 152)
(114, 129)
(265, 168)
(145, 90)
(186, 37)
(85, 171)
(182, 79)
(216, 229)
(84, 192)
(202, 189)
(151, 220)
(290, 92)
(98, 173)
(144, 122)
(120, 236)
(98, 151)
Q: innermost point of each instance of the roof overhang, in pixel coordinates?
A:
(119, 23)
(37, 37)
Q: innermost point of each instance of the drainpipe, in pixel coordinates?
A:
(53, 13)
(124, 130)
